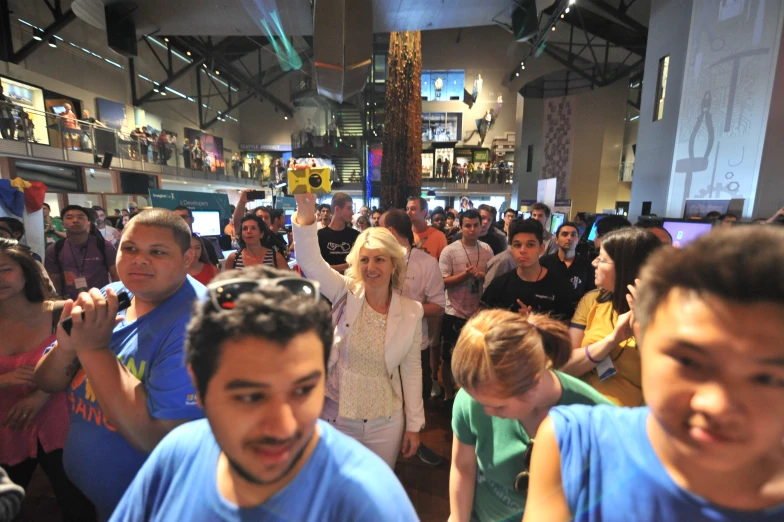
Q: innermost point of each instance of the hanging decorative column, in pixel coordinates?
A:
(401, 166)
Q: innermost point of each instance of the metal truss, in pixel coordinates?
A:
(589, 48)
(61, 19)
(240, 85)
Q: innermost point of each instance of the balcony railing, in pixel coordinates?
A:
(329, 144)
(37, 134)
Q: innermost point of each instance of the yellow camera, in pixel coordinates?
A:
(314, 180)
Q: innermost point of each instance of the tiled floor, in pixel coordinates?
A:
(427, 487)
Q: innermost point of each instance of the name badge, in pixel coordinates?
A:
(605, 368)
(475, 285)
(81, 284)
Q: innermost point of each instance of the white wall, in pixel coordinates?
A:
(668, 34)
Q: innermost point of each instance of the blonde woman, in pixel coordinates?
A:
(374, 382)
(506, 366)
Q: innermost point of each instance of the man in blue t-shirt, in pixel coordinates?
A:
(708, 445)
(257, 352)
(123, 371)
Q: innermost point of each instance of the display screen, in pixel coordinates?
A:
(557, 220)
(684, 232)
(206, 222)
(592, 234)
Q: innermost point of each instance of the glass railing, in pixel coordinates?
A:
(328, 144)
(30, 132)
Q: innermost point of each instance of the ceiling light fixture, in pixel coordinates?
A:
(553, 28)
(52, 43)
(217, 72)
(562, 15)
(188, 53)
(285, 117)
(517, 74)
(37, 35)
(566, 10)
(166, 40)
(571, 2)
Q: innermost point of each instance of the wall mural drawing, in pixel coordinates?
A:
(726, 95)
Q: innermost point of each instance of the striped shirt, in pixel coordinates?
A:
(269, 259)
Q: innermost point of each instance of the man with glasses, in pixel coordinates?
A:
(122, 370)
(257, 353)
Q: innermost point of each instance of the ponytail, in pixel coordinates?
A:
(555, 338)
(508, 351)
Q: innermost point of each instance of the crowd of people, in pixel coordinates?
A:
(472, 172)
(151, 383)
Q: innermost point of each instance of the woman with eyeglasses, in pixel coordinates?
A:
(604, 350)
(33, 424)
(506, 366)
(253, 252)
(374, 381)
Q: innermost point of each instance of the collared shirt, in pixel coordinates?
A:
(580, 274)
(463, 300)
(424, 284)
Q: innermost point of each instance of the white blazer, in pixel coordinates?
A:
(404, 324)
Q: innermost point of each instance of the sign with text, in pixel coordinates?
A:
(256, 147)
(172, 199)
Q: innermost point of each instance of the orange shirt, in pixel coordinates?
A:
(432, 241)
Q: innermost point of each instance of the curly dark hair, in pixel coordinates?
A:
(272, 313)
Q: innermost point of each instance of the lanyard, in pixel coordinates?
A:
(478, 254)
(84, 259)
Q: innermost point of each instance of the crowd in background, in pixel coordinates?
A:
(528, 336)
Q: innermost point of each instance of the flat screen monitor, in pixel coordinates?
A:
(701, 207)
(684, 232)
(206, 222)
(289, 214)
(556, 221)
(592, 233)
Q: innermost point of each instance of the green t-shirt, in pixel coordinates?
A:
(500, 445)
(51, 237)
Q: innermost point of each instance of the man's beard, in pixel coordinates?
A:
(257, 481)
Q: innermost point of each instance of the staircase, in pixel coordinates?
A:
(349, 120)
(346, 168)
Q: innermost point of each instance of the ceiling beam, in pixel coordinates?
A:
(169, 80)
(33, 45)
(228, 68)
(228, 109)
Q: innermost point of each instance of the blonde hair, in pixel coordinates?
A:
(508, 350)
(378, 238)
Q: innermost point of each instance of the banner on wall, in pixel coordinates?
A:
(172, 199)
(212, 145)
(725, 102)
(111, 113)
(557, 131)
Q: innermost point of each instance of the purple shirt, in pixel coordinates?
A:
(83, 260)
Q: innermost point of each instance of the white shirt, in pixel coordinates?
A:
(461, 300)
(424, 284)
(110, 234)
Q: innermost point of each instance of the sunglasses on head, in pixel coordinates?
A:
(522, 478)
(224, 294)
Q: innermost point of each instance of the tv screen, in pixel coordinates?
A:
(592, 233)
(684, 232)
(206, 222)
(557, 219)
